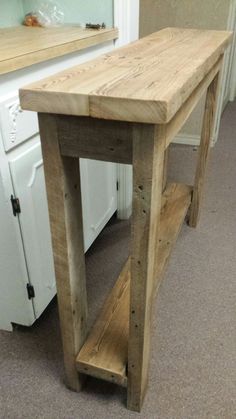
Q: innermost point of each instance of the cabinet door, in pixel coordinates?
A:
(99, 200)
(29, 186)
(15, 307)
(99, 196)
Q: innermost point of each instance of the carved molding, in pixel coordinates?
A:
(14, 111)
(35, 167)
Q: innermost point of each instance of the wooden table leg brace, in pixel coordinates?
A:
(118, 346)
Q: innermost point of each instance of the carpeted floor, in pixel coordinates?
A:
(193, 362)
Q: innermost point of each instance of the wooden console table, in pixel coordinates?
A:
(126, 107)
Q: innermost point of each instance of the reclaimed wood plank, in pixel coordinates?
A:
(145, 81)
(174, 126)
(104, 355)
(62, 178)
(206, 135)
(148, 167)
(95, 138)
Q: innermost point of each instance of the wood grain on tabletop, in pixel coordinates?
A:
(146, 81)
(22, 46)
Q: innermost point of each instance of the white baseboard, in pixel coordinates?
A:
(187, 139)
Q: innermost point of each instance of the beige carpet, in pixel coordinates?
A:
(193, 363)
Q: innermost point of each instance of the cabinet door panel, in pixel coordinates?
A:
(99, 196)
(15, 307)
(29, 185)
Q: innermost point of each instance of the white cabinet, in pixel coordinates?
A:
(25, 244)
(100, 179)
(29, 186)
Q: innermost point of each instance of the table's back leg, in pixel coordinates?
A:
(64, 201)
(165, 169)
(207, 131)
(148, 161)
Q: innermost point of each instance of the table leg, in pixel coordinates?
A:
(148, 161)
(64, 201)
(206, 135)
(165, 169)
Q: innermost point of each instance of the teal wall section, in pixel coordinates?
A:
(80, 11)
(11, 12)
(76, 11)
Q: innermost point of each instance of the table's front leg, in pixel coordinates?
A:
(148, 162)
(64, 202)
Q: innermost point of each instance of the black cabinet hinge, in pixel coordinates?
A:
(117, 185)
(30, 291)
(15, 205)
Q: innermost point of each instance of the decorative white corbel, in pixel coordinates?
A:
(14, 111)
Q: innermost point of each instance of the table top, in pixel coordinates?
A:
(23, 46)
(146, 81)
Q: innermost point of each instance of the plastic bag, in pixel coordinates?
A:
(48, 13)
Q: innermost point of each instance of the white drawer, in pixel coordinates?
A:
(16, 125)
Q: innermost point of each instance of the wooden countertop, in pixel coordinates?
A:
(146, 81)
(23, 46)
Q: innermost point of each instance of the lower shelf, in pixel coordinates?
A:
(105, 352)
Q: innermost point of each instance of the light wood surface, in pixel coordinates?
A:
(112, 140)
(147, 81)
(22, 46)
(105, 352)
(64, 201)
(206, 135)
(176, 123)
